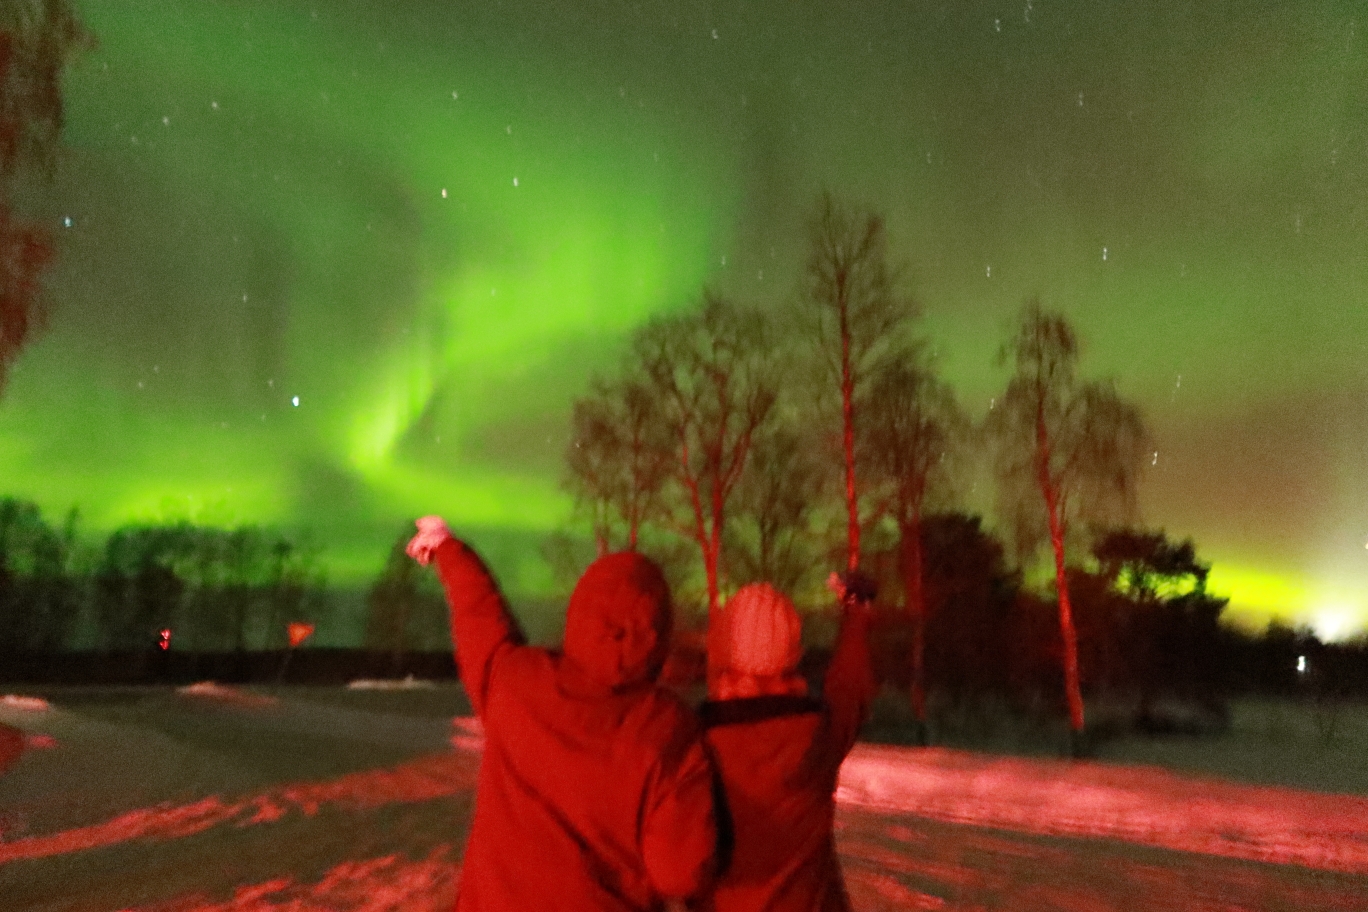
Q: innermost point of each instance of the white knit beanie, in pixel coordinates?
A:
(762, 632)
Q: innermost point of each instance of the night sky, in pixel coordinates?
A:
(432, 221)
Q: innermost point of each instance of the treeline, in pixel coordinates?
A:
(214, 590)
(186, 588)
(1152, 649)
(737, 442)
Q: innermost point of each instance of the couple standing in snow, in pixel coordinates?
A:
(600, 790)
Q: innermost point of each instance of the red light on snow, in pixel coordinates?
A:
(164, 640)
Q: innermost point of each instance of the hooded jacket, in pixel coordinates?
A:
(595, 791)
(778, 757)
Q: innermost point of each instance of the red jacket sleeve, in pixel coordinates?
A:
(679, 824)
(849, 685)
(481, 626)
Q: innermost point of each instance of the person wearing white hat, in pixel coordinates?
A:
(778, 749)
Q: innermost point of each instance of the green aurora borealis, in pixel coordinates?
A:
(433, 221)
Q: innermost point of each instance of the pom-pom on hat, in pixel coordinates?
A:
(762, 632)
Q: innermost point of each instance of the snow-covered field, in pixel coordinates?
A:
(309, 799)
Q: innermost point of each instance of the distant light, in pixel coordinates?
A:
(164, 639)
(295, 402)
(444, 196)
(1335, 623)
(66, 221)
(515, 182)
(1301, 664)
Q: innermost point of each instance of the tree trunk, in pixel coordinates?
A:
(713, 644)
(714, 554)
(916, 609)
(848, 447)
(1066, 624)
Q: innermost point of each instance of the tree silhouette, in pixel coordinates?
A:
(140, 586)
(970, 594)
(1066, 451)
(617, 461)
(291, 576)
(709, 372)
(852, 291)
(391, 603)
(39, 596)
(400, 604)
(771, 537)
(912, 426)
(1155, 603)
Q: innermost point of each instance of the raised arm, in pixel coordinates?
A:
(481, 626)
(849, 686)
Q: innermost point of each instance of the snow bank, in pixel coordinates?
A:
(215, 691)
(26, 704)
(408, 683)
(467, 733)
(387, 884)
(416, 781)
(1137, 804)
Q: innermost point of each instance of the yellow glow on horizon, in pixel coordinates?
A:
(1259, 596)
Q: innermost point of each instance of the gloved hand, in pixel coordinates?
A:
(432, 531)
(855, 589)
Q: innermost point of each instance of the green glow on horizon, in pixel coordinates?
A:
(1258, 596)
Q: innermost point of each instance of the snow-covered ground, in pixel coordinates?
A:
(331, 799)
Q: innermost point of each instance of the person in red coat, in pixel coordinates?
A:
(778, 749)
(595, 791)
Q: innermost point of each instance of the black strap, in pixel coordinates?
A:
(715, 713)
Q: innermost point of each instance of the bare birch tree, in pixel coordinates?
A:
(617, 460)
(1066, 452)
(771, 539)
(912, 429)
(710, 378)
(853, 292)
